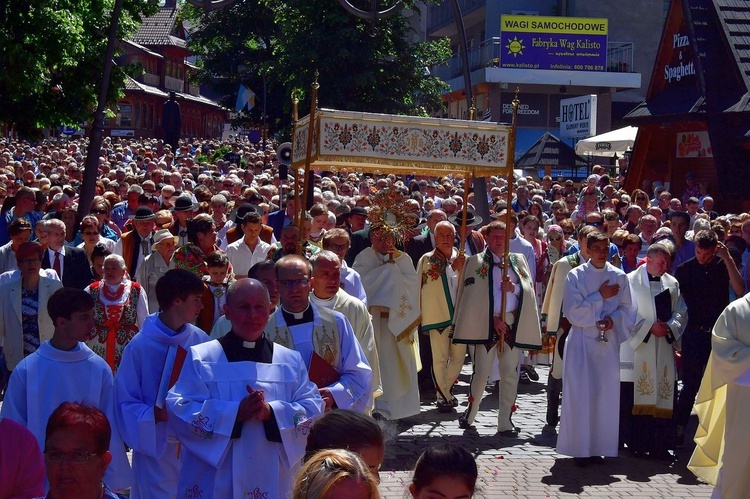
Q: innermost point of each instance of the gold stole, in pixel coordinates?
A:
(325, 334)
(654, 374)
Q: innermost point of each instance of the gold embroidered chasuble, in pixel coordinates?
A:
(325, 334)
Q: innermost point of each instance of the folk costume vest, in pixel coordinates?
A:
(115, 324)
(473, 322)
(435, 297)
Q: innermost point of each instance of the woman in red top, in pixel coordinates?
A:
(121, 307)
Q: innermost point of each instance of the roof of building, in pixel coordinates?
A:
(160, 29)
(135, 86)
(550, 151)
(141, 48)
(720, 33)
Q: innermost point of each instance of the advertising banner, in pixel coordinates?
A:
(558, 43)
(694, 145)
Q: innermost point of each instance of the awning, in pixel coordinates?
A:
(609, 144)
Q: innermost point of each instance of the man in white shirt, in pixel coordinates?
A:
(242, 407)
(246, 252)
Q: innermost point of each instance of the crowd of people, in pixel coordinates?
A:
(244, 348)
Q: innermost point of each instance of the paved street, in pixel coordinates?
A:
(528, 466)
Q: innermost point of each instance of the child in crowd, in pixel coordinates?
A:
(214, 296)
(319, 214)
(447, 471)
(354, 431)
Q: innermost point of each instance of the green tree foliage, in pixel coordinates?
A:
(51, 57)
(362, 68)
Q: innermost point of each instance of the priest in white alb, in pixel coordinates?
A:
(326, 293)
(320, 335)
(647, 366)
(558, 326)
(242, 407)
(723, 407)
(150, 361)
(599, 307)
(392, 288)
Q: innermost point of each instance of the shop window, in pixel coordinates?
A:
(125, 114)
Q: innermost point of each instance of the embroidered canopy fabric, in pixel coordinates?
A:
(384, 143)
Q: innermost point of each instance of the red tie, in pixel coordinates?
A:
(56, 265)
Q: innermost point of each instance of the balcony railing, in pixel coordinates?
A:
(174, 83)
(488, 54)
(150, 79)
(440, 15)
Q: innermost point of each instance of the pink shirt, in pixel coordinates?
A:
(21, 462)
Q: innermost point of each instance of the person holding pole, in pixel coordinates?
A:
(496, 314)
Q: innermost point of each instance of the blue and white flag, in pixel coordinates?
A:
(245, 97)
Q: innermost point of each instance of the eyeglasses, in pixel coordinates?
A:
(150, 191)
(555, 239)
(594, 224)
(294, 283)
(339, 247)
(567, 234)
(228, 185)
(99, 212)
(79, 457)
(90, 233)
(640, 198)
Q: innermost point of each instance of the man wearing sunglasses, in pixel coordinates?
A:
(596, 219)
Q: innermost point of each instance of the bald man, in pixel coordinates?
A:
(242, 406)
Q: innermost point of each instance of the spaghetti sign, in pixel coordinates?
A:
(559, 43)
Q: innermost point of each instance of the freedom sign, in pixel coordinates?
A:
(558, 43)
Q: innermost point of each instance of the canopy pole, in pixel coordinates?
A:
(295, 119)
(464, 213)
(506, 248)
(300, 203)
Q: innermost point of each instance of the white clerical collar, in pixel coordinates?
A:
(296, 315)
(322, 302)
(248, 344)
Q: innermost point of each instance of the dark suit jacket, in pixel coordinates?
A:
(76, 268)
(277, 221)
(359, 241)
(418, 246)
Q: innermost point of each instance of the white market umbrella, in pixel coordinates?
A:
(609, 144)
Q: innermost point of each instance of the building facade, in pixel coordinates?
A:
(159, 48)
(625, 52)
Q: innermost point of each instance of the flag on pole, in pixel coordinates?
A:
(245, 97)
(487, 115)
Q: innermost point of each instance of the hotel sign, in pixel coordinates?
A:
(558, 43)
(578, 117)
